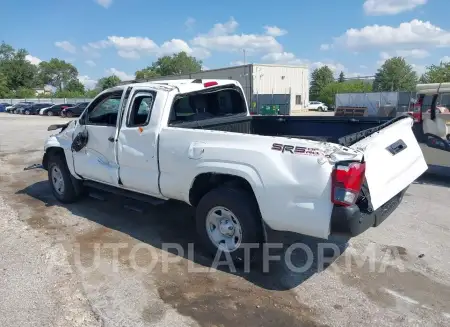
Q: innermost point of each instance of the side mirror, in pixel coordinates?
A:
(56, 126)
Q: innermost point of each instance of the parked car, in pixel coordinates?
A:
(54, 110)
(316, 105)
(74, 111)
(35, 108)
(18, 106)
(195, 141)
(2, 107)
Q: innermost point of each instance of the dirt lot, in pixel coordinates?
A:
(58, 266)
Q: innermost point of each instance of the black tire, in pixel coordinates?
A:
(244, 208)
(26, 112)
(72, 189)
(49, 113)
(320, 109)
(69, 114)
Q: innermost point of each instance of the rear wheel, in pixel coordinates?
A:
(49, 113)
(228, 220)
(27, 112)
(320, 109)
(64, 187)
(69, 114)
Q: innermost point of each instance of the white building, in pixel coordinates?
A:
(284, 86)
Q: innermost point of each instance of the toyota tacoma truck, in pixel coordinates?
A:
(195, 141)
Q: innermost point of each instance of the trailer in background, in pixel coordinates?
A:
(382, 104)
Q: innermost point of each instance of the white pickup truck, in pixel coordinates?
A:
(195, 141)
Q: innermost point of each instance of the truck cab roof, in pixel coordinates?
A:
(183, 85)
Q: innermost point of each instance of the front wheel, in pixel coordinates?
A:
(61, 181)
(27, 112)
(49, 113)
(69, 114)
(228, 220)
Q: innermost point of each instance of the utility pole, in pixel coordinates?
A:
(244, 56)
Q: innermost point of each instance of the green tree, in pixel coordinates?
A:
(437, 73)
(328, 93)
(146, 74)
(179, 63)
(57, 73)
(17, 70)
(75, 86)
(6, 52)
(341, 77)
(108, 82)
(92, 93)
(395, 75)
(25, 93)
(320, 78)
(4, 90)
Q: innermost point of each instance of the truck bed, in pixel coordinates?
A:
(341, 130)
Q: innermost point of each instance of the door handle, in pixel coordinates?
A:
(111, 139)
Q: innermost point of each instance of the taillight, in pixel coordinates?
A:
(209, 84)
(347, 179)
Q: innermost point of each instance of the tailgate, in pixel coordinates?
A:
(393, 160)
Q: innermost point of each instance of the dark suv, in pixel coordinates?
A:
(34, 108)
(55, 110)
(74, 111)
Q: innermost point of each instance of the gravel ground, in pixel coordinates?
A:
(83, 264)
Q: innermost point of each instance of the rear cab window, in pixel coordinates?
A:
(210, 103)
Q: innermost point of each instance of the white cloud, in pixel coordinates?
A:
(274, 31)
(88, 82)
(66, 46)
(189, 23)
(445, 59)
(90, 63)
(135, 43)
(33, 60)
(237, 63)
(104, 3)
(205, 68)
(413, 34)
(224, 29)
(220, 38)
(90, 52)
(390, 7)
(129, 54)
(288, 58)
(100, 44)
(279, 57)
(135, 47)
(420, 69)
(334, 66)
(325, 47)
(413, 53)
(122, 75)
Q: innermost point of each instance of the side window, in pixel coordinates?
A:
(141, 109)
(105, 110)
(298, 99)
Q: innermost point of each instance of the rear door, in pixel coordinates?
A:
(137, 149)
(393, 160)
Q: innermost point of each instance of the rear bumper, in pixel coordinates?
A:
(351, 221)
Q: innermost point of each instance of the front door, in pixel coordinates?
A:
(97, 160)
(137, 143)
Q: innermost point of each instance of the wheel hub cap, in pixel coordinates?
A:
(57, 180)
(224, 229)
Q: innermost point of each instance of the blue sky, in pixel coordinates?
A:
(101, 37)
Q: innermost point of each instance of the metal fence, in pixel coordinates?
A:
(377, 102)
(47, 100)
